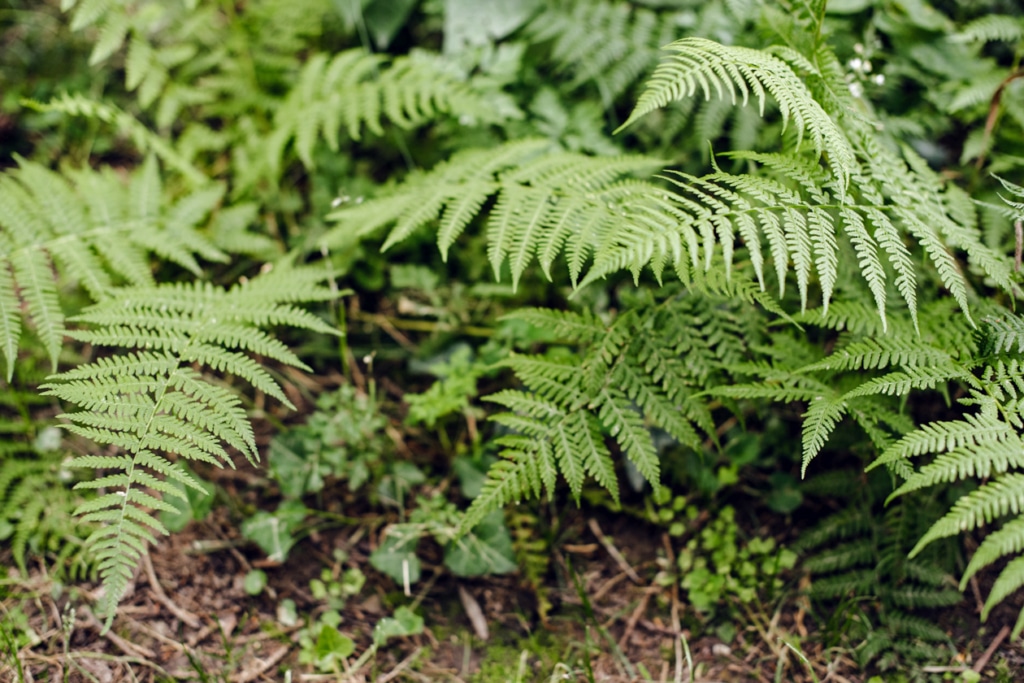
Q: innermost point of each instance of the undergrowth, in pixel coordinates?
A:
(600, 234)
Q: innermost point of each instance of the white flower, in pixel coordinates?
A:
(879, 79)
(856, 89)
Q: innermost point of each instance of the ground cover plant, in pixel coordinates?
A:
(583, 340)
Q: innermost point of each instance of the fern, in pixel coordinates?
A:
(986, 445)
(611, 44)
(628, 378)
(354, 90)
(857, 553)
(994, 27)
(144, 139)
(546, 203)
(710, 68)
(153, 402)
(865, 367)
(97, 231)
(867, 196)
(37, 511)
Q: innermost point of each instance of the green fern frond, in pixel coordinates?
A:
(153, 404)
(526, 469)
(822, 416)
(993, 27)
(972, 431)
(917, 597)
(37, 507)
(908, 625)
(1002, 335)
(95, 230)
(546, 204)
(611, 44)
(995, 499)
(635, 374)
(1015, 191)
(986, 459)
(1005, 541)
(875, 353)
(901, 382)
(711, 68)
(1010, 579)
(856, 553)
(145, 140)
(354, 90)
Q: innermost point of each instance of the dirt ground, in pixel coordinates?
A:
(188, 617)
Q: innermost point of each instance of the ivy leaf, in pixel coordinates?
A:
(332, 646)
(404, 623)
(396, 556)
(485, 550)
(273, 532)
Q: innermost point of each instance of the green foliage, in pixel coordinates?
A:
(354, 90)
(98, 231)
(858, 553)
(799, 209)
(342, 439)
(37, 510)
(716, 569)
(987, 446)
(487, 549)
(152, 402)
(624, 378)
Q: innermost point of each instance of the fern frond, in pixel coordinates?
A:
(972, 431)
(993, 27)
(986, 459)
(630, 376)
(144, 139)
(1003, 496)
(92, 228)
(1005, 541)
(875, 353)
(354, 90)
(711, 68)
(611, 44)
(153, 404)
(526, 468)
(1009, 580)
(822, 416)
(1002, 335)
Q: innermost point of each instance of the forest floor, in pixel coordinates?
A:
(188, 616)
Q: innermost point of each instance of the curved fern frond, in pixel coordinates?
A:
(1002, 335)
(94, 229)
(972, 431)
(154, 404)
(145, 140)
(995, 499)
(714, 69)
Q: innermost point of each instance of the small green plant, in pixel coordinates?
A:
(322, 644)
(716, 568)
(487, 549)
(343, 440)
